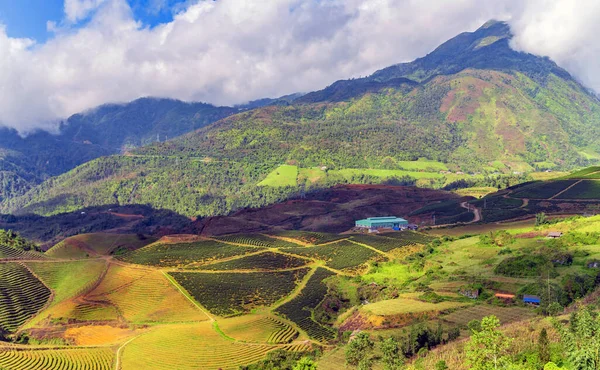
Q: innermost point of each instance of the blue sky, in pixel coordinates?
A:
(28, 18)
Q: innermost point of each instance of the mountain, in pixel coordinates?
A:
(473, 105)
(108, 129)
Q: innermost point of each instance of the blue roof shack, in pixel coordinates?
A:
(532, 299)
(390, 222)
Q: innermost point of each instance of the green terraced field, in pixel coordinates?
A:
(587, 189)
(299, 309)
(181, 254)
(310, 237)
(382, 243)
(57, 359)
(67, 279)
(227, 294)
(410, 237)
(543, 190)
(189, 347)
(256, 240)
(339, 255)
(263, 329)
(7, 252)
(22, 295)
(262, 261)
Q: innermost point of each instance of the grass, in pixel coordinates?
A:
(477, 191)
(391, 273)
(340, 255)
(187, 347)
(227, 294)
(405, 306)
(258, 328)
(68, 279)
(144, 296)
(284, 175)
(181, 254)
(262, 262)
(58, 359)
(587, 189)
(22, 295)
(422, 165)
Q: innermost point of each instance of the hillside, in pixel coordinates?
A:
(106, 130)
(472, 106)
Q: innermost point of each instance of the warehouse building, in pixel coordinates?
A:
(390, 222)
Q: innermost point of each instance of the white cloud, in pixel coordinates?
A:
(232, 51)
(76, 10)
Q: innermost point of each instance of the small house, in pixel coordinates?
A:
(532, 299)
(470, 293)
(389, 222)
(505, 296)
(554, 234)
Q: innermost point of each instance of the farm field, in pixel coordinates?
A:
(10, 253)
(256, 240)
(191, 346)
(339, 255)
(227, 294)
(180, 254)
(586, 189)
(308, 237)
(506, 315)
(98, 244)
(57, 359)
(405, 305)
(543, 190)
(258, 328)
(263, 261)
(284, 175)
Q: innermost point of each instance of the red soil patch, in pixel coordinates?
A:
(332, 210)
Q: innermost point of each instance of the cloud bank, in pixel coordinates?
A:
(232, 51)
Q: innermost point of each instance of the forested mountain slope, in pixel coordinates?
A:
(109, 129)
(473, 103)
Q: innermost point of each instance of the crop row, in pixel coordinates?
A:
(257, 240)
(21, 295)
(187, 347)
(262, 261)
(180, 254)
(310, 237)
(299, 309)
(228, 294)
(7, 252)
(382, 243)
(587, 189)
(283, 334)
(410, 237)
(339, 255)
(57, 359)
(543, 190)
(505, 314)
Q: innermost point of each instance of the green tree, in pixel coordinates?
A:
(474, 326)
(392, 355)
(305, 363)
(487, 348)
(541, 219)
(359, 349)
(554, 309)
(544, 346)
(441, 365)
(581, 340)
(553, 366)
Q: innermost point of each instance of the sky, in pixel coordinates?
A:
(60, 57)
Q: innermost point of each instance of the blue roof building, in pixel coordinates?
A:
(390, 222)
(532, 299)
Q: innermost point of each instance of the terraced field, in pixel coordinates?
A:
(505, 314)
(309, 237)
(181, 254)
(382, 243)
(22, 295)
(410, 237)
(263, 261)
(97, 244)
(57, 359)
(339, 255)
(587, 189)
(258, 328)
(407, 306)
(256, 240)
(184, 347)
(543, 190)
(10, 253)
(144, 296)
(68, 279)
(299, 309)
(227, 294)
